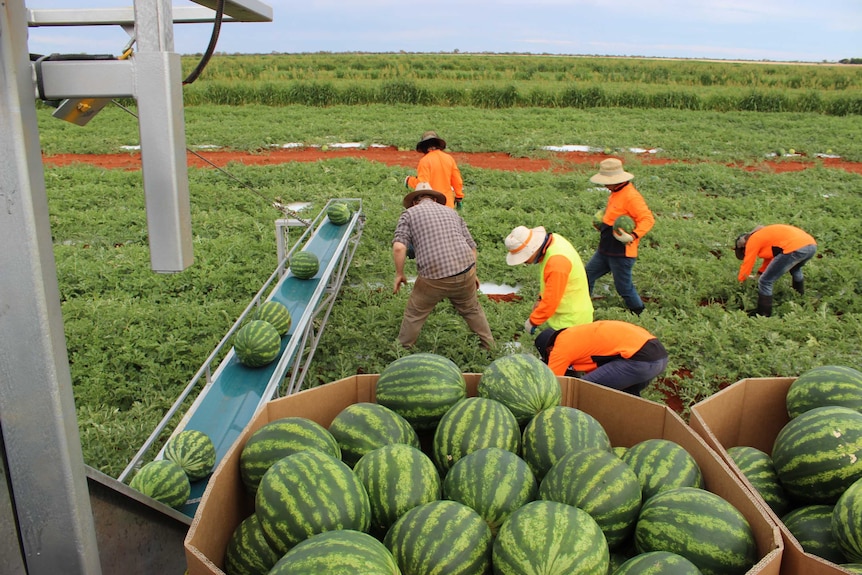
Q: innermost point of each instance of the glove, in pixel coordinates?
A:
(458, 204)
(529, 327)
(407, 182)
(623, 237)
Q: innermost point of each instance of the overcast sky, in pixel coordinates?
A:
(777, 30)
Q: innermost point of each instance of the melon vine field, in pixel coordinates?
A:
(135, 338)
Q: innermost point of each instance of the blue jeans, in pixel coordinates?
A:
(621, 268)
(627, 375)
(783, 263)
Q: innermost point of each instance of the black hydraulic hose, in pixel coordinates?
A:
(211, 48)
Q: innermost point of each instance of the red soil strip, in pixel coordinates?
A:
(556, 161)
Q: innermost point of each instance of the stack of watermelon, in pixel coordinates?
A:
(813, 478)
(509, 481)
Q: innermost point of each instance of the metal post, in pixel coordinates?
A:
(48, 486)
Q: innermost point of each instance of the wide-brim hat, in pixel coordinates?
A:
(429, 139)
(523, 243)
(611, 172)
(424, 189)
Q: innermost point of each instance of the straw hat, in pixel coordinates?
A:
(429, 139)
(611, 172)
(523, 243)
(424, 189)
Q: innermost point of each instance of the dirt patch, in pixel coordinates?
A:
(391, 156)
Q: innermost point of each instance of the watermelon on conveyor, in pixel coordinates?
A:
(194, 451)
(304, 265)
(257, 343)
(164, 481)
(275, 313)
(339, 213)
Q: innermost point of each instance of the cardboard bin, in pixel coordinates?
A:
(751, 412)
(626, 418)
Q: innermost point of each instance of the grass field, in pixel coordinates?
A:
(167, 325)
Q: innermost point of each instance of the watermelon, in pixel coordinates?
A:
(248, 552)
(341, 552)
(420, 388)
(550, 537)
(471, 424)
(658, 563)
(758, 469)
(522, 383)
(363, 427)
(847, 522)
(599, 218)
(601, 484)
(440, 537)
(308, 493)
(275, 313)
(493, 482)
(556, 431)
(624, 223)
(825, 385)
(304, 265)
(853, 568)
(164, 481)
(257, 343)
(338, 213)
(818, 455)
(699, 525)
(194, 451)
(811, 525)
(280, 438)
(397, 478)
(662, 464)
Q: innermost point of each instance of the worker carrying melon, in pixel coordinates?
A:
(612, 353)
(783, 248)
(439, 169)
(625, 220)
(564, 299)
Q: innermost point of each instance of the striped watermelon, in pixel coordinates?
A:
(420, 388)
(304, 265)
(194, 451)
(275, 313)
(338, 213)
(471, 424)
(164, 481)
(522, 383)
(550, 537)
(624, 223)
(440, 537)
(700, 526)
(662, 464)
(818, 454)
(601, 484)
(556, 431)
(758, 469)
(257, 343)
(397, 478)
(342, 552)
(847, 522)
(280, 438)
(309, 493)
(658, 563)
(853, 568)
(363, 427)
(248, 552)
(825, 385)
(493, 482)
(811, 525)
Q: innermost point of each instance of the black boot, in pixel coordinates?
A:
(799, 286)
(764, 305)
(637, 310)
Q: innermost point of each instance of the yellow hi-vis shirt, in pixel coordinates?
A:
(565, 296)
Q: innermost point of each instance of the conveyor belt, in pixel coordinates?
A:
(235, 392)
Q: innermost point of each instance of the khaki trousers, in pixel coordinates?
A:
(461, 290)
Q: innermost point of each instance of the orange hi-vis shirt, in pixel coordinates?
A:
(580, 346)
(627, 201)
(565, 296)
(441, 171)
(769, 241)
